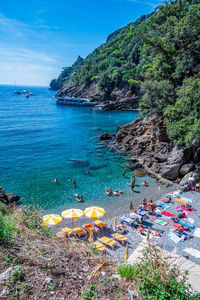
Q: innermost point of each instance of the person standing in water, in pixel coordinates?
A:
(123, 173)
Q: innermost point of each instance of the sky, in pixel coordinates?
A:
(40, 37)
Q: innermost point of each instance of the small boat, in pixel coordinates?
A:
(25, 91)
(31, 94)
(74, 101)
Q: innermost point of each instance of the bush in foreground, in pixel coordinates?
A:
(156, 278)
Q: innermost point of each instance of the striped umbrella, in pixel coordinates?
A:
(94, 212)
(51, 220)
(72, 213)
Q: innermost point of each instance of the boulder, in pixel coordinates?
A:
(106, 136)
(197, 156)
(187, 168)
(189, 180)
(12, 198)
(169, 171)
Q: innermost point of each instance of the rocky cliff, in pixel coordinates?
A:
(147, 140)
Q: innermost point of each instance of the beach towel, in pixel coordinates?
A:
(167, 214)
(163, 204)
(160, 222)
(181, 200)
(193, 252)
(191, 220)
(186, 224)
(185, 210)
(197, 232)
(175, 238)
(186, 199)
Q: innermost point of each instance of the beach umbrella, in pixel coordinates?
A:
(94, 212)
(147, 235)
(72, 213)
(115, 224)
(126, 254)
(131, 205)
(51, 220)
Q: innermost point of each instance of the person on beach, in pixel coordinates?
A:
(120, 192)
(144, 183)
(178, 180)
(141, 229)
(152, 207)
(197, 187)
(168, 200)
(132, 184)
(121, 227)
(180, 229)
(155, 233)
(123, 173)
(144, 204)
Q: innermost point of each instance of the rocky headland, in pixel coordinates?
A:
(8, 198)
(147, 141)
(122, 99)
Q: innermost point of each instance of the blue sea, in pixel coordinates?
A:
(41, 141)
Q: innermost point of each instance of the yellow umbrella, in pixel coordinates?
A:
(115, 224)
(51, 220)
(72, 213)
(94, 212)
(126, 255)
(91, 235)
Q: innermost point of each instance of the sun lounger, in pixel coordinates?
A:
(79, 231)
(160, 222)
(68, 231)
(163, 204)
(99, 246)
(181, 200)
(186, 224)
(120, 238)
(108, 242)
(175, 238)
(100, 224)
(127, 220)
(167, 214)
(87, 227)
(177, 225)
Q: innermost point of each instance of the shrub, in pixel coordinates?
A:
(156, 278)
(7, 225)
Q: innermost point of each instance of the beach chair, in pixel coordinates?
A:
(87, 227)
(120, 238)
(100, 224)
(68, 231)
(79, 231)
(99, 246)
(108, 242)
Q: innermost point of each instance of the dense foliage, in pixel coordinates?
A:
(67, 74)
(172, 79)
(158, 55)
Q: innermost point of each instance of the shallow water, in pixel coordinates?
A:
(41, 141)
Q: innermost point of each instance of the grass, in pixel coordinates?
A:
(156, 278)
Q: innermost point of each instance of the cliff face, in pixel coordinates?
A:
(148, 141)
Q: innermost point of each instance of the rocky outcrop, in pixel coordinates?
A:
(121, 99)
(189, 180)
(147, 140)
(106, 136)
(8, 198)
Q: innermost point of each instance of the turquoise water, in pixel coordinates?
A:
(41, 141)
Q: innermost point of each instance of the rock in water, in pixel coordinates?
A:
(8, 198)
(106, 136)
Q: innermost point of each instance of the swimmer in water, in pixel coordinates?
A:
(123, 173)
(108, 191)
(74, 182)
(115, 193)
(56, 180)
(70, 180)
(87, 172)
(144, 183)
